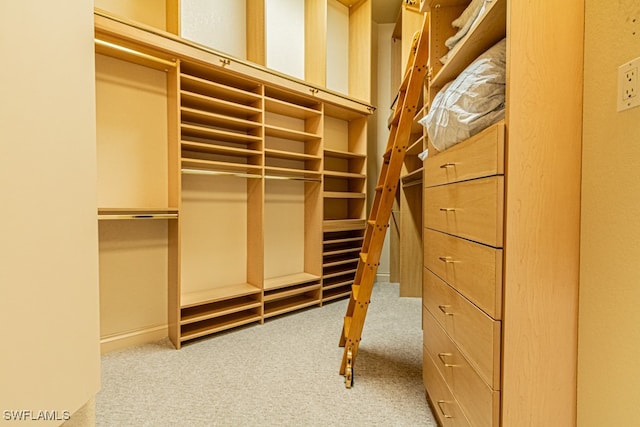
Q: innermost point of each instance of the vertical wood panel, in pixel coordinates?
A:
(255, 31)
(315, 42)
(360, 51)
(544, 98)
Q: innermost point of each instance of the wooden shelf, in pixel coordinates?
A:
(136, 211)
(276, 308)
(222, 167)
(279, 154)
(345, 240)
(289, 97)
(288, 109)
(336, 293)
(342, 261)
(272, 172)
(343, 154)
(217, 294)
(343, 224)
(196, 131)
(288, 292)
(203, 102)
(211, 326)
(219, 309)
(341, 251)
(329, 284)
(343, 195)
(414, 177)
(339, 273)
(488, 31)
(213, 90)
(349, 175)
(284, 133)
(288, 280)
(193, 116)
(416, 147)
(218, 149)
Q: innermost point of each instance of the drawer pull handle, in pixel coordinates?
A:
(440, 404)
(448, 209)
(442, 356)
(443, 308)
(447, 165)
(446, 259)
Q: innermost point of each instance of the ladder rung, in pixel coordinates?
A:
(355, 290)
(379, 188)
(347, 326)
(363, 257)
(371, 222)
(387, 154)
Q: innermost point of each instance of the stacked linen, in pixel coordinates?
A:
(472, 102)
(465, 22)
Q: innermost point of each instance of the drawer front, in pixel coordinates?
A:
(477, 400)
(472, 269)
(469, 209)
(445, 407)
(476, 334)
(479, 156)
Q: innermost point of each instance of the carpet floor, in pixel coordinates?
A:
(282, 373)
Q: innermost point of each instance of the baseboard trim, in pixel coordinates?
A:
(132, 338)
(383, 277)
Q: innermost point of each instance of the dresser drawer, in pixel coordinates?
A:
(479, 156)
(479, 402)
(445, 407)
(470, 209)
(472, 269)
(476, 334)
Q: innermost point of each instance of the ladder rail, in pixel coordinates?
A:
(378, 220)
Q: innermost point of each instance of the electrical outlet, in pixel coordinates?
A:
(628, 95)
(630, 83)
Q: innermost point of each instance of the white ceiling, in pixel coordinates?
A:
(385, 11)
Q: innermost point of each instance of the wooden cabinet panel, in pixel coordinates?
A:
(470, 209)
(479, 401)
(445, 407)
(480, 156)
(475, 333)
(472, 269)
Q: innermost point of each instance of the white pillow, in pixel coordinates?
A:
(466, 22)
(470, 103)
(470, 11)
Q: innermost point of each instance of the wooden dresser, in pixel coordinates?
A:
(501, 217)
(462, 286)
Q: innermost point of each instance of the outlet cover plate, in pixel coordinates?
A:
(628, 95)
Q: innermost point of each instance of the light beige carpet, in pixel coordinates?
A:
(282, 373)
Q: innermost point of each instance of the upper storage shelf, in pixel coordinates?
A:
(491, 28)
(135, 38)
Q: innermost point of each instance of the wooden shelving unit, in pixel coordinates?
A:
(406, 228)
(248, 235)
(344, 196)
(513, 340)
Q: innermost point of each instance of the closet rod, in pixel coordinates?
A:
(221, 173)
(292, 178)
(134, 52)
(411, 183)
(137, 216)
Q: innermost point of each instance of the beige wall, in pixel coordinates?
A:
(149, 12)
(49, 357)
(609, 335)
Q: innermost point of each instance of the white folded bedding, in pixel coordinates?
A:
(470, 103)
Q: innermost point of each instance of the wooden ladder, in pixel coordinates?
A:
(378, 221)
